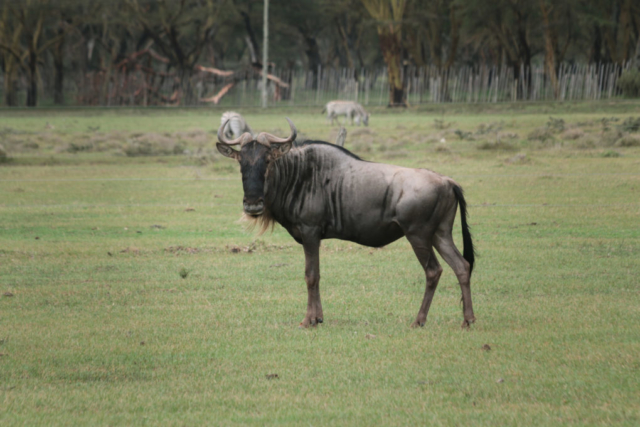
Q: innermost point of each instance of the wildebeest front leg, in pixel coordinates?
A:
(433, 270)
(312, 277)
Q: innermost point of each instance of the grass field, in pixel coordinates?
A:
(131, 295)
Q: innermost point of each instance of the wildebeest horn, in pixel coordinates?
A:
(242, 139)
(265, 138)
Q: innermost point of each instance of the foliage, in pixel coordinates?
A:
(556, 125)
(629, 83)
(141, 45)
(4, 157)
(631, 124)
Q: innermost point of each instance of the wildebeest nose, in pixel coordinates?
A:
(253, 207)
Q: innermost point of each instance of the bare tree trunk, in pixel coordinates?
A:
(392, 53)
(58, 84)
(549, 58)
(313, 57)
(454, 34)
(252, 41)
(32, 87)
(10, 93)
(389, 14)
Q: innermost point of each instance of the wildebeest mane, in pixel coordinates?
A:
(310, 142)
(291, 184)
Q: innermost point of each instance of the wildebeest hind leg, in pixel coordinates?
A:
(445, 246)
(312, 278)
(433, 270)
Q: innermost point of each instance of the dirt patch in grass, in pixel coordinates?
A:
(181, 250)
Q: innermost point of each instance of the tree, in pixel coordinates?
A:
(504, 32)
(26, 22)
(558, 20)
(180, 30)
(388, 15)
(614, 29)
(433, 26)
(10, 55)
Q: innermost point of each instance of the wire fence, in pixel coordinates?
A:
(287, 87)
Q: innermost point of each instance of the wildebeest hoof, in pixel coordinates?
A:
(310, 322)
(417, 324)
(466, 324)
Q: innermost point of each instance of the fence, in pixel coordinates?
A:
(466, 84)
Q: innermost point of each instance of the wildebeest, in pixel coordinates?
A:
(351, 110)
(318, 190)
(236, 125)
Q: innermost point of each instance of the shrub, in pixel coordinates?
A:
(153, 145)
(79, 147)
(556, 125)
(496, 145)
(540, 134)
(463, 134)
(629, 83)
(493, 127)
(586, 142)
(610, 153)
(3, 154)
(441, 124)
(630, 125)
(572, 134)
(629, 141)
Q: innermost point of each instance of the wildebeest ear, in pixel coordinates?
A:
(227, 151)
(279, 150)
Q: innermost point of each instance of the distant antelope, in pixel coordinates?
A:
(349, 109)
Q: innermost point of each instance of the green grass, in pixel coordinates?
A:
(103, 329)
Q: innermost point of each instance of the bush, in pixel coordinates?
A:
(572, 134)
(556, 125)
(463, 135)
(3, 154)
(542, 134)
(152, 144)
(630, 125)
(629, 83)
(496, 145)
(629, 141)
(610, 153)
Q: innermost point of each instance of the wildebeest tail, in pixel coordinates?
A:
(468, 252)
(324, 110)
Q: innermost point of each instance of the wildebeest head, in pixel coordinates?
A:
(254, 157)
